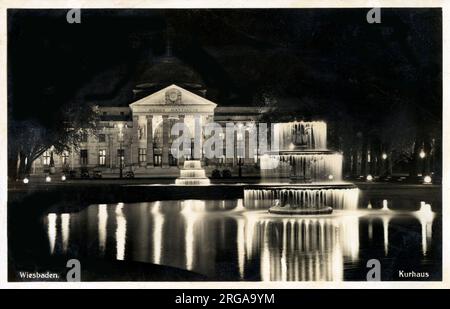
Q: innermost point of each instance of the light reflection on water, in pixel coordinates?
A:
(223, 240)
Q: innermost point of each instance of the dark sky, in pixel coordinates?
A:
(329, 62)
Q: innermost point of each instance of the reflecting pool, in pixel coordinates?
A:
(223, 240)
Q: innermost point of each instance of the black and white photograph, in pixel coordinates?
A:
(260, 145)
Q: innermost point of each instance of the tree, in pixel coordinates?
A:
(31, 138)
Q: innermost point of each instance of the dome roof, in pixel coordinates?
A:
(166, 71)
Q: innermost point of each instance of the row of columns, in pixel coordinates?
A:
(248, 157)
(149, 134)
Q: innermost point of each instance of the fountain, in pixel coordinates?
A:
(309, 176)
(192, 174)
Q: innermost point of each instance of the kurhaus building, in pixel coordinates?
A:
(138, 137)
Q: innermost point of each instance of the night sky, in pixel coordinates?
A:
(327, 63)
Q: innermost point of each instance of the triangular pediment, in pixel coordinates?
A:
(173, 95)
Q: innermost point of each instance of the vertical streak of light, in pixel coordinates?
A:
(423, 225)
(189, 239)
(386, 235)
(309, 240)
(426, 228)
(52, 231)
(65, 231)
(425, 215)
(428, 233)
(102, 224)
(350, 236)
(250, 225)
(318, 275)
(189, 211)
(157, 233)
(241, 246)
(121, 232)
(265, 254)
(330, 249)
(284, 252)
(338, 263)
(295, 265)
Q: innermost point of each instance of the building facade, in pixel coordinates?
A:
(138, 138)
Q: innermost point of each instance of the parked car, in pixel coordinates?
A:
(97, 174)
(129, 174)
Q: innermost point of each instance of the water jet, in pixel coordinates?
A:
(304, 165)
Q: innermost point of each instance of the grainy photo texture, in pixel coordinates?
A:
(224, 144)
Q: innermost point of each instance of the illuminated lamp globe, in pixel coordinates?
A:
(422, 154)
(427, 179)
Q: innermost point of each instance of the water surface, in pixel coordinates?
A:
(224, 241)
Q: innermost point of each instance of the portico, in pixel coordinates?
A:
(154, 117)
(138, 138)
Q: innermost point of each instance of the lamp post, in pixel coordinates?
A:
(121, 161)
(422, 155)
(240, 163)
(120, 137)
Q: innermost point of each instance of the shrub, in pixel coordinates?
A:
(215, 174)
(226, 174)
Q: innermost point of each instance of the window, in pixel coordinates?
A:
(104, 113)
(142, 155)
(102, 157)
(65, 158)
(157, 160)
(83, 157)
(121, 157)
(101, 138)
(172, 160)
(46, 157)
(84, 137)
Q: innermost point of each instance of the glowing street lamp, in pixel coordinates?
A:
(330, 177)
(422, 154)
(25, 180)
(427, 180)
(63, 177)
(384, 156)
(369, 177)
(48, 179)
